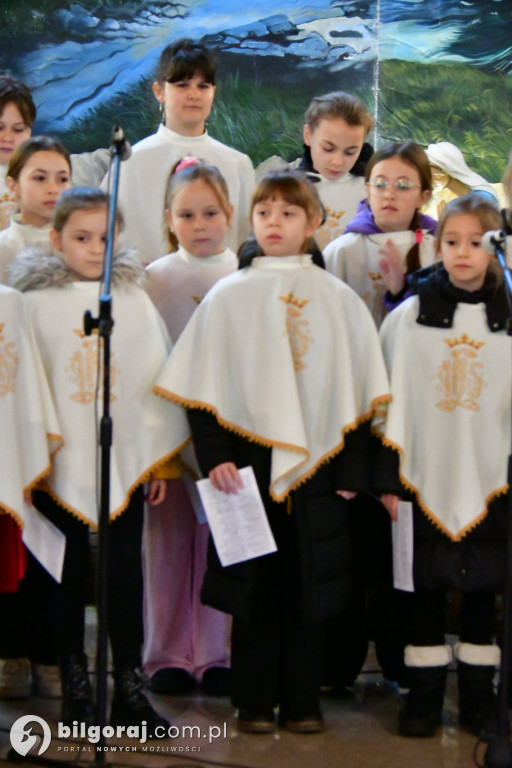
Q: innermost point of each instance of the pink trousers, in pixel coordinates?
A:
(178, 630)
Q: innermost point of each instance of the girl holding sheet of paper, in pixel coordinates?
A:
(280, 369)
(449, 360)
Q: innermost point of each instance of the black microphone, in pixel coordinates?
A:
(506, 216)
(491, 240)
(121, 146)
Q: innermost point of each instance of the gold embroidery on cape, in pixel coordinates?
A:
(9, 362)
(297, 329)
(8, 206)
(461, 378)
(374, 298)
(82, 369)
(331, 228)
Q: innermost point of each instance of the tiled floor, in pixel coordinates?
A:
(360, 733)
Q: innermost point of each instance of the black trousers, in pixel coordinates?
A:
(377, 610)
(65, 602)
(428, 617)
(24, 628)
(276, 657)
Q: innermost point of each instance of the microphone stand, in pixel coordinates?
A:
(499, 746)
(104, 324)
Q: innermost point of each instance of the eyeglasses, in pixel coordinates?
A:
(401, 186)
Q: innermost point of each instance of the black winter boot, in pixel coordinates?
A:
(130, 706)
(77, 699)
(423, 706)
(477, 697)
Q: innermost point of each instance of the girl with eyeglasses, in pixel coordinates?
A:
(388, 238)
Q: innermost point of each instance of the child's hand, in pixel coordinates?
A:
(391, 267)
(157, 490)
(347, 494)
(225, 477)
(390, 501)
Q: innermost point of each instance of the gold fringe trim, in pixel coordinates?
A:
(143, 478)
(67, 507)
(28, 489)
(55, 439)
(8, 511)
(330, 454)
(427, 511)
(35, 482)
(252, 437)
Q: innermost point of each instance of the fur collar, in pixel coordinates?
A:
(35, 269)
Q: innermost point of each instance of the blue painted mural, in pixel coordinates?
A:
(92, 60)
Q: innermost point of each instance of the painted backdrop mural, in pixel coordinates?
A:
(429, 69)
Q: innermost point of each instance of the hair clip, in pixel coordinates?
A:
(186, 163)
(418, 234)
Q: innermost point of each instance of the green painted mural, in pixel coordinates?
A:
(430, 70)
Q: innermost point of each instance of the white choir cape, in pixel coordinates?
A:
(30, 432)
(16, 238)
(178, 282)
(143, 183)
(8, 204)
(450, 414)
(341, 200)
(146, 431)
(340, 197)
(355, 258)
(285, 355)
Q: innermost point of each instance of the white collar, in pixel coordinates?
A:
(203, 261)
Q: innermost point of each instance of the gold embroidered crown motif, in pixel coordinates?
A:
(465, 339)
(292, 299)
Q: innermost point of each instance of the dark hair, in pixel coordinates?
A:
(184, 59)
(80, 199)
(196, 170)
(415, 156)
(294, 188)
(15, 92)
(29, 147)
(408, 151)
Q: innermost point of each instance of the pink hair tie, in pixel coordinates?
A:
(186, 163)
(419, 236)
